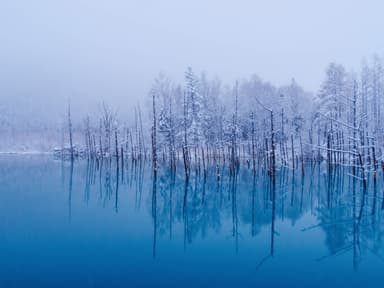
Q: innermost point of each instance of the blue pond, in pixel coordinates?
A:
(91, 224)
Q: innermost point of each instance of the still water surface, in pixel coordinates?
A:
(93, 225)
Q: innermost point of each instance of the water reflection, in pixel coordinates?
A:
(346, 211)
(247, 209)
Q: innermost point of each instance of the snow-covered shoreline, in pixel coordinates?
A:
(26, 153)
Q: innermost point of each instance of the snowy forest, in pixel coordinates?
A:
(191, 144)
(252, 122)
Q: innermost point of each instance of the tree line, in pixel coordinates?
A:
(202, 122)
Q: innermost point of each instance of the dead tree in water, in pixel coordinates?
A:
(116, 147)
(253, 144)
(354, 132)
(172, 144)
(235, 162)
(185, 146)
(302, 157)
(233, 147)
(100, 139)
(154, 148)
(88, 139)
(236, 128)
(108, 119)
(141, 135)
(70, 131)
(293, 153)
(282, 138)
(273, 148)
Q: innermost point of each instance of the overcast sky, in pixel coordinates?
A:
(93, 50)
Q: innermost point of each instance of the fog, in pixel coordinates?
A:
(91, 51)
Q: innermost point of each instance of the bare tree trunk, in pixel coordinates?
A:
(273, 148)
(116, 146)
(302, 157)
(154, 148)
(253, 145)
(143, 149)
(185, 146)
(70, 131)
(293, 153)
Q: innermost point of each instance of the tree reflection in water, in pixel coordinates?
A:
(347, 212)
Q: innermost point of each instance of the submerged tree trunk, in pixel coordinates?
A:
(154, 148)
(273, 149)
(70, 132)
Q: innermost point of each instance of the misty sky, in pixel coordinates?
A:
(92, 50)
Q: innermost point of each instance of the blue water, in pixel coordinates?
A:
(91, 225)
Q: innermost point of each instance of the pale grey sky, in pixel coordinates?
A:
(93, 50)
